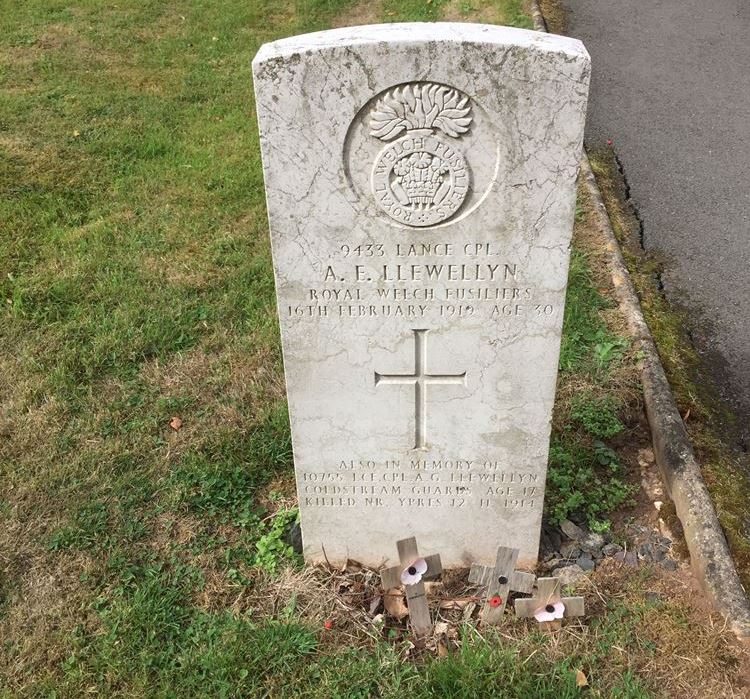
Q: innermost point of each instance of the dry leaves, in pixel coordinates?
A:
(394, 604)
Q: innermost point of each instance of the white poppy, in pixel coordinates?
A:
(413, 573)
(550, 612)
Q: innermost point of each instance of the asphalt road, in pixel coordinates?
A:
(671, 89)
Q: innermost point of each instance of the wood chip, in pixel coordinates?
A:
(457, 602)
(375, 603)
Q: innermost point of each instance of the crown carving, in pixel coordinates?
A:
(420, 106)
(421, 176)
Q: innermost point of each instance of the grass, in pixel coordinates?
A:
(510, 12)
(138, 559)
(598, 394)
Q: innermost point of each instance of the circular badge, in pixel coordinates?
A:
(421, 155)
(420, 180)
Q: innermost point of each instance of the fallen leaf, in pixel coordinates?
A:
(394, 604)
(581, 680)
(442, 650)
(175, 423)
(468, 611)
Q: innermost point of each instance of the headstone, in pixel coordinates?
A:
(420, 181)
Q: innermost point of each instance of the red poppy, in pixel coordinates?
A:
(496, 601)
(328, 624)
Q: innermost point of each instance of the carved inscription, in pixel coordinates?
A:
(420, 179)
(425, 281)
(422, 483)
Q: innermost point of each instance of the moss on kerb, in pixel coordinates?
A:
(555, 16)
(706, 416)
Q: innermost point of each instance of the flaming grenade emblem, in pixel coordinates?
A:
(420, 179)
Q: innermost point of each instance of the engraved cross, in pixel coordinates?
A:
(420, 379)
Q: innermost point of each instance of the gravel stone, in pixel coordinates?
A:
(550, 541)
(592, 543)
(553, 563)
(570, 550)
(570, 575)
(628, 558)
(645, 552)
(293, 537)
(572, 531)
(611, 549)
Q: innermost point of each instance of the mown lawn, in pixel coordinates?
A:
(141, 560)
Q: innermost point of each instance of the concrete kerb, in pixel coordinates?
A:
(537, 17)
(709, 552)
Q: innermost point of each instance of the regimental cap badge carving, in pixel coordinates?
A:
(420, 106)
(420, 179)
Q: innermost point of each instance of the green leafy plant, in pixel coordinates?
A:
(271, 549)
(598, 415)
(584, 481)
(609, 349)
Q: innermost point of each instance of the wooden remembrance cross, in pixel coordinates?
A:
(498, 581)
(419, 611)
(546, 597)
(420, 379)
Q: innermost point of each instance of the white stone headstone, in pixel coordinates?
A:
(421, 183)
